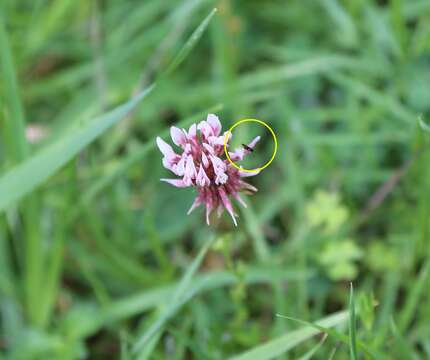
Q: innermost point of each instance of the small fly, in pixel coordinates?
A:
(246, 147)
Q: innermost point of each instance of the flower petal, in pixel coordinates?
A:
(190, 169)
(205, 160)
(178, 136)
(196, 203)
(180, 167)
(227, 203)
(237, 155)
(239, 199)
(164, 147)
(205, 129)
(209, 148)
(221, 178)
(175, 182)
(202, 178)
(192, 132)
(249, 173)
(214, 123)
(254, 142)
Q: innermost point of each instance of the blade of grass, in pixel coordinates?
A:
(340, 337)
(352, 326)
(276, 347)
(181, 295)
(25, 177)
(253, 226)
(412, 301)
(312, 351)
(401, 345)
(423, 124)
(189, 45)
(374, 96)
(17, 148)
(15, 125)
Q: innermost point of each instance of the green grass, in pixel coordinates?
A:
(98, 258)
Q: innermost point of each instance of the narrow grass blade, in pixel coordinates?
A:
(312, 351)
(189, 45)
(374, 354)
(423, 124)
(276, 347)
(253, 226)
(14, 125)
(25, 177)
(412, 301)
(352, 325)
(181, 295)
(401, 345)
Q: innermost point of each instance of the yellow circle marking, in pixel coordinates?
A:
(258, 122)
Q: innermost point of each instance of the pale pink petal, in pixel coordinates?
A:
(202, 178)
(227, 204)
(249, 173)
(164, 147)
(229, 136)
(175, 182)
(219, 210)
(192, 132)
(178, 136)
(209, 208)
(240, 152)
(209, 148)
(221, 178)
(190, 169)
(169, 164)
(247, 186)
(216, 140)
(239, 199)
(187, 148)
(205, 160)
(254, 142)
(218, 164)
(237, 155)
(214, 122)
(180, 167)
(196, 203)
(205, 129)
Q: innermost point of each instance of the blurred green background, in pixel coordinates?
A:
(98, 259)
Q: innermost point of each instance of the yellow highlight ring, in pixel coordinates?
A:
(258, 122)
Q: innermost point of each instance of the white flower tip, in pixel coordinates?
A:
(255, 141)
(164, 147)
(214, 123)
(192, 130)
(177, 135)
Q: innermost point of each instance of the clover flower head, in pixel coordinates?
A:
(201, 164)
